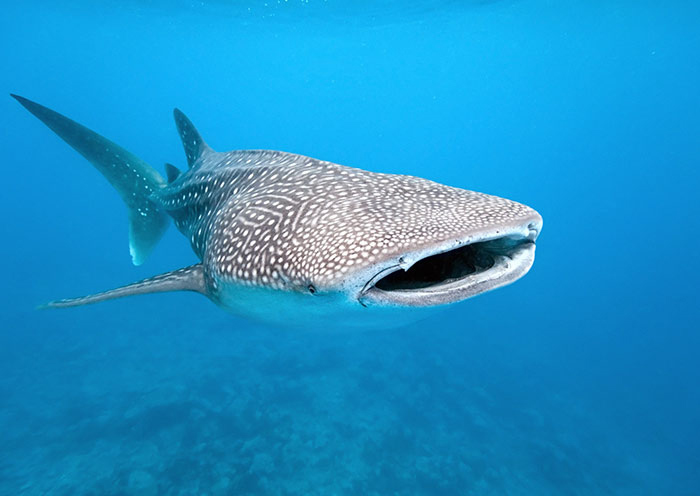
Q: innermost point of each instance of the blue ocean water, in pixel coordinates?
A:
(580, 379)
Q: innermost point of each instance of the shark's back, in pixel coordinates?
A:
(217, 182)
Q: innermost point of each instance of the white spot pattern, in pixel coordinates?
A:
(282, 220)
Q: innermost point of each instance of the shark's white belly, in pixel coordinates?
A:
(313, 311)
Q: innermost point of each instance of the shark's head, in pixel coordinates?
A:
(348, 238)
(426, 246)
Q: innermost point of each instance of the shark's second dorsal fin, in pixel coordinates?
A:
(192, 141)
(171, 172)
(188, 279)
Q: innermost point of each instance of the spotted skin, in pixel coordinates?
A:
(286, 221)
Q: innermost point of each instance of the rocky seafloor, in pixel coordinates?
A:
(109, 404)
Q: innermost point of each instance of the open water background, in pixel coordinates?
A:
(581, 378)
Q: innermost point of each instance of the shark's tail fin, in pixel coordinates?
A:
(133, 178)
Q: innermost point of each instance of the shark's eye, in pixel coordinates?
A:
(312, 289)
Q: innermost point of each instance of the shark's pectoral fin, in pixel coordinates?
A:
(188, 279)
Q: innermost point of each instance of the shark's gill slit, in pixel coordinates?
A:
(449, 266)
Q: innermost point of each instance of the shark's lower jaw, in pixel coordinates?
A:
(453, 275)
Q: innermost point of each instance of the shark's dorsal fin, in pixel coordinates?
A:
(172, 172)
(192, 141)
(188, 279)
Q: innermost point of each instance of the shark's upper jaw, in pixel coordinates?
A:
(450, 273)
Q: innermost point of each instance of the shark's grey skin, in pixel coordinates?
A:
(288, 238)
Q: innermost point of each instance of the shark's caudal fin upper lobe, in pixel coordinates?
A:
(133, 178)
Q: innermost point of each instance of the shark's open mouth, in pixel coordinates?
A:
(454, 274)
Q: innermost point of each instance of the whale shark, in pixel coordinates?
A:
(290, 239)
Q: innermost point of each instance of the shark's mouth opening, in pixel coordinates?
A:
(453, 275)
(442, 268)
